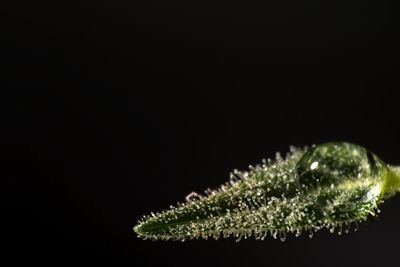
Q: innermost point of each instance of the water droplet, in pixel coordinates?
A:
(332, 163)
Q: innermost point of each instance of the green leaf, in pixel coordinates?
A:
(334, 185)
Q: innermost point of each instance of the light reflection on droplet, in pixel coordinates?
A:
(314, 165)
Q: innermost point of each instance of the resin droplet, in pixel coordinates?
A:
(336, 162)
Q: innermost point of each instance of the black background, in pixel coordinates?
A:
(111, 110)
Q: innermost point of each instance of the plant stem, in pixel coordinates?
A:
(393, 180)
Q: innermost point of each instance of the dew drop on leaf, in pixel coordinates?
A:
(336, 162)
